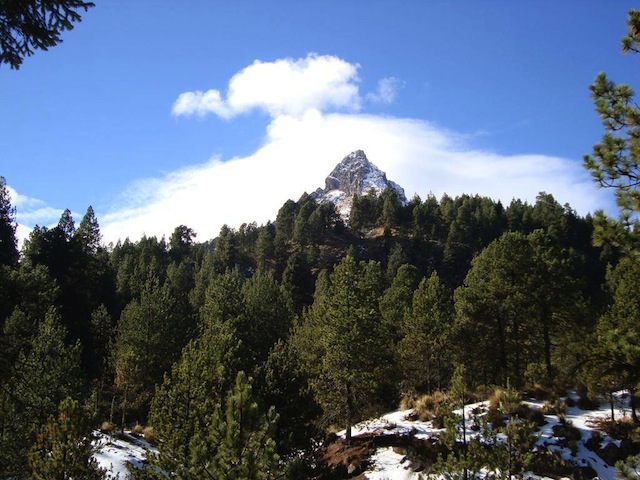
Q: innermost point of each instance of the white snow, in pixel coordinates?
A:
(116, 452)
(389, 465)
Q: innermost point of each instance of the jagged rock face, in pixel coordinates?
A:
(354, 175)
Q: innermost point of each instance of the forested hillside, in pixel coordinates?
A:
(238, 352)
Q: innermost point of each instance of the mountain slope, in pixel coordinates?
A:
(354, 175)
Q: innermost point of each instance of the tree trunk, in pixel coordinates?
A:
(547, 346)
(502, 352)
(516, 338)
(349, 412)
(632, 405)
(613, 418)
(464, 434)
(124, 409)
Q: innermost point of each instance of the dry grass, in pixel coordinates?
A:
(137, 429)
(108, 427)
(622, 429)
(531, 415)
(556, 408)
(149, 434)
(427, 408)
(494, 399)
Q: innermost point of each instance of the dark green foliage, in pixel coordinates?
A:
(241, 439)
(181, 243)
(204, 434)
(35, 25)
(424, 351)
(8, 248)
(364, 212)
(265, 244)
(511, 309)
(266, 317)
(183, 405)
(615, 161)
(286, 387)
(397, 299)
(80, 267)
(302, 233)
(44, 374)
(227, 252)
(427, 219)
(223, 298)
(298, 282)
(150, 336)
(344, 343)
(389, 214)
(136, 264)
(285, 221)
(32, 290)
(88, 234)
(615, 358)
(63, 448)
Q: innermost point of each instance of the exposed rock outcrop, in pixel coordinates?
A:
(354, 175)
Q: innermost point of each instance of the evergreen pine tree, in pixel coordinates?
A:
(397, 299)
(88, 232)
(615, 161)
(43, 375)
(345, 345)
(8, 243)
(64, 449)
(183, 405)
(424, 350)
(242, 437)
(298, 282)
(266, 318)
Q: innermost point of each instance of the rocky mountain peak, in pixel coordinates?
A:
(354, 175)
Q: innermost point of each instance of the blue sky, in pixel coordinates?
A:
(460, 97)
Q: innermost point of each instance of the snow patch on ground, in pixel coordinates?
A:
(386, 464)
(114, 453)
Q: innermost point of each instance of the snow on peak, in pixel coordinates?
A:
(354, 175)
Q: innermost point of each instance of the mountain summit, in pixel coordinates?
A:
(354, 175)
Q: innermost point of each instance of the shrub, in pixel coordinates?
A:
(483, 392)
(149, 434)
(431, 407)
(537, 384)
(407, 402)
(586, 403)
(494, 399)
(568, 431)
(495, 418)
(137, 429)
(594, 441)
(619, 430)
(531, 415)
(556, 408)
(108, 427)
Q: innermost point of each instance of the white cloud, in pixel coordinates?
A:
(285, 86)
(201, 103)
(30, 212)
(386, 91)
(304, 141)
(300, 151)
